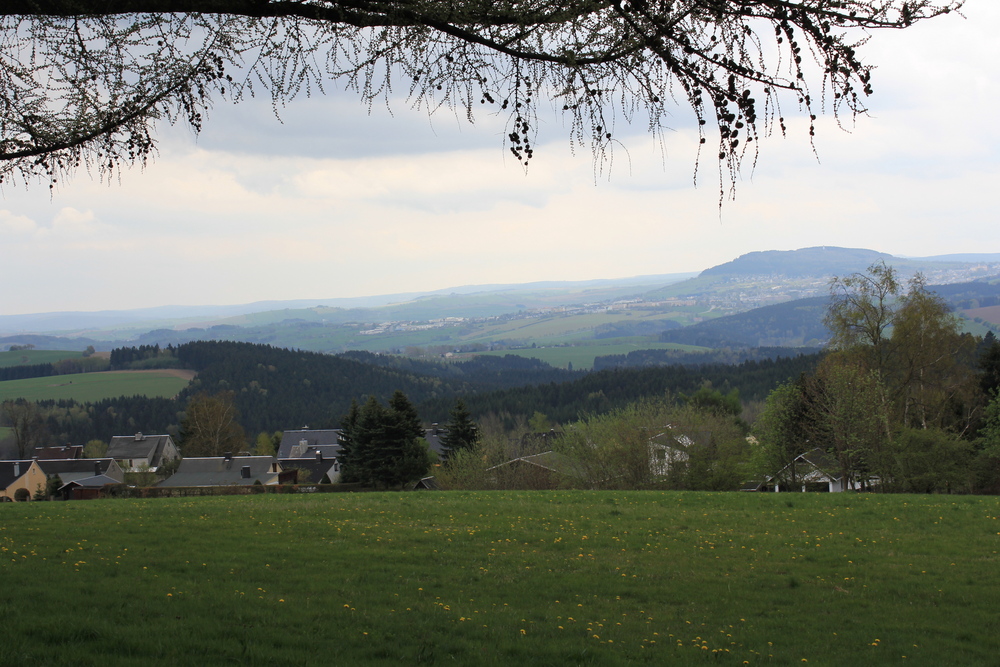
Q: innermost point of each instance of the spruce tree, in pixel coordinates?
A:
(460, 431)
(348, 425)
(383, 446)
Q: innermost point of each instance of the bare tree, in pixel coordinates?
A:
(82, 83)
(211, 426)
(27, 428)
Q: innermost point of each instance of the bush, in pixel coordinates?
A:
(22, 495)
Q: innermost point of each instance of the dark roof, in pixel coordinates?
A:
(317, 468)
(433, 437)
(64, 452)
(313, 437)
(60, 466)
(7, 476)
(137, 446)
(70, 470)
(428, 483)
(822, 460)
(223, 471)
(93, 482)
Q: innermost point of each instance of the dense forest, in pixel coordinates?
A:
(725, 355)
(277, 389)
(793, 323)
(603, 391)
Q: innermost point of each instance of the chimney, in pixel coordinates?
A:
(139, 437)
(245, 472)
(319, 455)
(97, 467)
(17, 468)
(228, 456)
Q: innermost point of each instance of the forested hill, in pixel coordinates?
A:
(278, 389)
(816, 262)
(601, 391)
(485, 371)
(793, 323)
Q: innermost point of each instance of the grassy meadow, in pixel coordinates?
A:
(499, 578)
(97, 386)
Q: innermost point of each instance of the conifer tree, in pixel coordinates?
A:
(383, 446)
(461, 431)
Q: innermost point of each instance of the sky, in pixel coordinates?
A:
(336, 201)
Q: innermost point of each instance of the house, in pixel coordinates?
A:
(142, 452)
(64, 452)
(322, 470)
(16, 475)
(70, 470)
(87, 488)
(667, 450)
(304, 443)
(547, 470)
(433, 436)
(225, 470)
(814, 470)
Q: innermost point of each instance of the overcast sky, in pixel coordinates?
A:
(334, 202)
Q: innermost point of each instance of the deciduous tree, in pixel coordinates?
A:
(83, 82)
(848, 418)
(862, 311)
(211, 426)
(782, 433)
(27, 428)
(932, 369)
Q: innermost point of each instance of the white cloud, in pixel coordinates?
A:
(16, 225)
(335, 202)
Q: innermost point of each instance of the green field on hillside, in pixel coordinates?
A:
(33, 357)
(95, 386)
(540, 328)
(500, 578)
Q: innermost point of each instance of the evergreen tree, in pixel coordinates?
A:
(404, 451)
(383, 445)
(348, 427)
(460, 431)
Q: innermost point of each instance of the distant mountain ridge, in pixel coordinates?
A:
(79, 322)
(471, 318)
(806, 262)
(823, 261)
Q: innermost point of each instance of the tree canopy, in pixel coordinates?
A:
(82, 83)
(383, 446)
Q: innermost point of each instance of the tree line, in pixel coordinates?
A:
(904, 402)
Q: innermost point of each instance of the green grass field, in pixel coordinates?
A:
(500, 578)
(32, 357)
(555, 326)
(95, 386)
